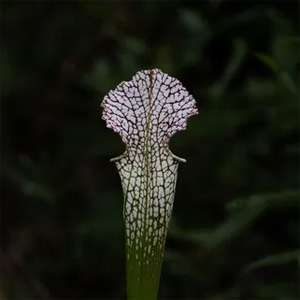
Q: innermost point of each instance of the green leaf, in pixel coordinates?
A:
(268, 61)
(232, 68)
(242, 213)
(277, 259)
(281, 64)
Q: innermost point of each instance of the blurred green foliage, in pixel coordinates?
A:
(235, 227)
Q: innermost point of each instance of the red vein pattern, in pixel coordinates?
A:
(146, 112)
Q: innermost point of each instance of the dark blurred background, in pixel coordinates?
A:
(235, 224)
